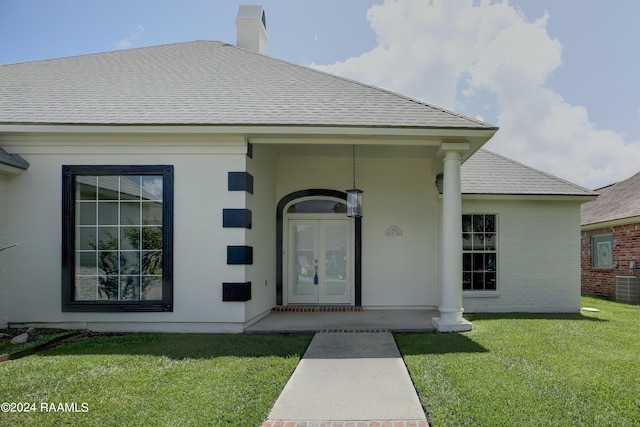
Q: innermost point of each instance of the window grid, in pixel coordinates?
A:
(479, 252)
(118, 279)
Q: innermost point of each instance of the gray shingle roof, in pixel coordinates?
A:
(617, 201)
(13, 160)
(489, 173)
(202, 82)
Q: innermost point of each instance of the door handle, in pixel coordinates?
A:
(315, 269)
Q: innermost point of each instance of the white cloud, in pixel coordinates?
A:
(448, 52)
(128, 42)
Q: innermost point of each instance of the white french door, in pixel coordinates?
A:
(319, 261)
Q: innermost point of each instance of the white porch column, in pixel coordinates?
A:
(450, 307)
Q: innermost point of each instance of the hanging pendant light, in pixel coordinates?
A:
(354, 195)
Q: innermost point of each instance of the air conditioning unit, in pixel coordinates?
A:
(628, 289)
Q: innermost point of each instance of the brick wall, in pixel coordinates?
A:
(626, 248)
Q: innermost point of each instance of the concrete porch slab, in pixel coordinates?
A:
(365, 320)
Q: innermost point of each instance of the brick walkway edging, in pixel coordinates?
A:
(418, 423)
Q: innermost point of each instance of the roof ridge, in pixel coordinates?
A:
(555, 178)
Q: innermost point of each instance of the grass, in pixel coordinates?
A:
(532, 369)
(153, 379)
(511, 370)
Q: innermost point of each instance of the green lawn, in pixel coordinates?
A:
(511, 370)
(532, 370)
(153, 380)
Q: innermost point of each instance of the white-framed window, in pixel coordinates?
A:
(479, 252)
(602, 251)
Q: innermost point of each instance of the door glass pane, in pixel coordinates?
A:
(303, 260)
(336, 260)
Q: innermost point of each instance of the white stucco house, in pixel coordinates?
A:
(196, 186)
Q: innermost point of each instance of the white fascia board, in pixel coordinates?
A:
(6, 169)
(577, 198)
(259, 133)
(612, 223)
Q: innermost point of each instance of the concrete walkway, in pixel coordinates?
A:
(355, 379)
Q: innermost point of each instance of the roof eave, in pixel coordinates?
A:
(611, 223)
(580, 198)
(11, 169)
(259, 133)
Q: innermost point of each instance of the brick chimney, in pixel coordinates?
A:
(251, 25)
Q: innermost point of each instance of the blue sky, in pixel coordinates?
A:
(558, 77)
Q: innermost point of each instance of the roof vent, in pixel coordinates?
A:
(251, 25)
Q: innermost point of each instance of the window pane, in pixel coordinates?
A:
(478, 281)
(490, 223)
(86, 238)
(108, 287)
(86, 263)
(108, 263)
(478, 262)
(86, 213)
(466, 223)
(152, 213)
(152, 263)
(490, 281)
(152, 238)
(466, 262)
(86, 288)
(86, 187)
(130, 187)
(129, 263)
(130, 288)
(107, 238)
(108, 213)
(130, 238)
(108, 187)
(129, 213)
(467, 241)
(478, 241)
(152, 188)
(152, 287)
(490, 262)
(478, 223)
(466, 281)
(490, 241)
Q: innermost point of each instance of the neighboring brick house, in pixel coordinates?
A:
(610, 244)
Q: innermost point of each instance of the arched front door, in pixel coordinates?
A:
(318, 251)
